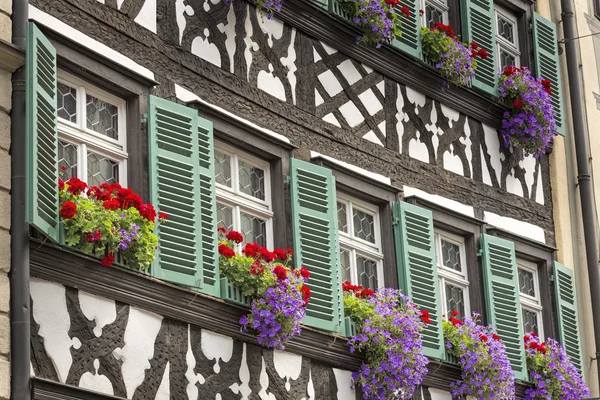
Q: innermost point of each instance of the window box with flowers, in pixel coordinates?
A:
(109, 222)
(256, 277)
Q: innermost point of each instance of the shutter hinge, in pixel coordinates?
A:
(287, 180)
(395, 221)
(145, 118)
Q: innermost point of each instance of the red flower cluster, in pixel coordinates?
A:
(76, 186)
(496, 337)
(518, 104)
(226, 251)
(91, 237)
(447, 29)
(254, 250)
(304, 273)
(482, 53)
(405, 11)
(281, 272)
(546, 85)
(534, 344)
(162, 215)
(222, 230)
(147, 211)
(108, 260)
(392, 3)
(421, 12)
(235, 237)
(257, 268)
(61, 184)
(483, 337)
(68, 210)
(280, 254)
(306, 294)
(358, 290)
(425, 317)
(455, 321)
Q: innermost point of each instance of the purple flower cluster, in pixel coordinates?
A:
(127, 236)
(277, 315)
(456, 64)
(485, 369)
(552, 372)
(531, 124)
(267, 6)
(375, 18)
(391, 341)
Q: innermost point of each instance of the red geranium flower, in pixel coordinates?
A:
(483, 54)
(425, 317)
(392, 3)
(289, 251)
(226, 251)
(235, 236)
(280, 254)
(266, 254)
(306, 294)
(474, 45)
(421, 12)
(147, 211)
(63, 168)
(163, 215)
(68, 210)
(91, 237)
(250, 249)
(76, 186)
(365, 293)
(454, 313)
(496, 337)
(281, 272)
(518, 104)
(111, 204)
(404, 10)
(257, 268)
(61, 184)
(304, 273)
(483, 337)
(474, 53)
(108, 260)
(508, 71)
(546, 84)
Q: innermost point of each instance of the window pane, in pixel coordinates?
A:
(345, 262)
(101, 169)
(367, 272)
(67, 157)
(224, 217)
(506, 29)
(364, 226)
(223, 169)
(455, 300)
(102, 117)
(530, 321)
(252, 180)
(507, 59)
(451, 255)
(66, 102)
(254, 229)
(526, 282)
(342, 217)
(433, 15)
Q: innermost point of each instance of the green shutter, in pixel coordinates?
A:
(322, 3)
(314, 225)
(478, 25)
(410, 40)
(547, 64)
(41, 133)
(502, 298)
(417, 269)
(566, 306)
(175, 189)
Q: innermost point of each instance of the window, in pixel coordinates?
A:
(452, 272)
(91, 132)
(360, 242)
(529, 293)
(507, 38)
(434, 11)
(243, 194)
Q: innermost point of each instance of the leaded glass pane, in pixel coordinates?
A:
(451, 255)
(526, 282)
(345, 262)
(506, 59)
(530, 321)
(455, 300)
(367, 272)
(254, 229)
(101, 169)
(433, 15)
(506, 29)
(342, 217)
(364, 226)
(67, 158)
(102, 117)
(252, 180)
(66, 103)
(222, 169)
(224, 217)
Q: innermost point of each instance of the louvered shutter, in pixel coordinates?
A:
(566, 306)
(410, 40)
(314, 225)
(502, 298)
(322, 3)
(547, 64)
(478, 25)
(175, 189)
(41, 134)
(417, 269)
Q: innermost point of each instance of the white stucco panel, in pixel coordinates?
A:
(216, 347)
(442, 201)
(344, 384)
(147, 16)
(98, 309)
(515, 226)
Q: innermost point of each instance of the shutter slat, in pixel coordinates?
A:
(41, 134)
(478, 26)
(314, 225)
(566, 306)
(547, 63)
(410, 40)
(417, 270)
(502, 298)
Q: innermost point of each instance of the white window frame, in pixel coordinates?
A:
(441, 5)
(501, 43)
(451, 276)
(77, 134)
(242, 202)
(530, 303)
(357, 246)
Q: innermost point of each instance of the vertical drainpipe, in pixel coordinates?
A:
(20, 349)
(583, 169)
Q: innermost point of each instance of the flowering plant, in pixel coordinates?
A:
(486, 371)
(108, 219)
(389, 334)
(376, 19)
(531, 123)
(267, 6)
(279, 294)
(552, 372)
(456, 61)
